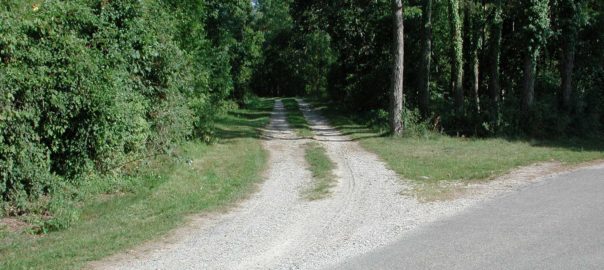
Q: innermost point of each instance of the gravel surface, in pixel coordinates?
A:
(278, 229)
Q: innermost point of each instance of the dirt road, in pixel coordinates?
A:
(278, 229)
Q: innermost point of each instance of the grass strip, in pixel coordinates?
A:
(321, 168)
(296, 119)
(205, 178)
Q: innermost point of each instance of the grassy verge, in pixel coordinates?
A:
(206, 178)
(436, 157)
(322, 171)
(296, 119)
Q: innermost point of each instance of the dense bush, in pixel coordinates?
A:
(88, 86)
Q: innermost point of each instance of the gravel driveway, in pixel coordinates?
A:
(276, 228)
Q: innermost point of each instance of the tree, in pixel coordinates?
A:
(456, 55)
(570, 21)
(396, 99)
(536, 31)
(273, 16)
(230, 26)
(426, 59)
(475, 36)
(495, 53)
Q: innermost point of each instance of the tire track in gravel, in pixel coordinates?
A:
(277, 229)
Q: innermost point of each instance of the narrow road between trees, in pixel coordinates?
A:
(276, 228)
(558, 224)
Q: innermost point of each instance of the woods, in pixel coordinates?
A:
(485, 68)
(92, 88)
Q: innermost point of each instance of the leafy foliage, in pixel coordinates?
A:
(90, 87)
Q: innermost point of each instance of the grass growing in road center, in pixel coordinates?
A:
(296, 119)
(322, 171)
(319, 163)
(204, 178)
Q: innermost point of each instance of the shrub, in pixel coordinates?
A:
(90, 85)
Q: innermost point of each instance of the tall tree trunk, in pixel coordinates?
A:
(424, 89)
(495, 54)
(536, 33)
(476, 76)
(476, 21)
(569, 41)
(568, 64)
(396, 100)
(456, 55)
(528, 85)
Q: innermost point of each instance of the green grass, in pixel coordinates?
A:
(296, 119)
(436, 157)
(170, 190)
(321, 168)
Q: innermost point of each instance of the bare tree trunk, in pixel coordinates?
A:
(424, 90)
(528, 85)
(396, 101)
(495, 54)
(568, 64)
(569, 39)
(476, 75)
(456, 55)
(536, 35)
(477, 42)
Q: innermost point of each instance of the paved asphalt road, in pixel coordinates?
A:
(557, 224)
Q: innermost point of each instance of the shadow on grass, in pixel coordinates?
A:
(576, 144)
(246, 122)
(356, 131)
(295, 118)
(251, 115)
(362, 131)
